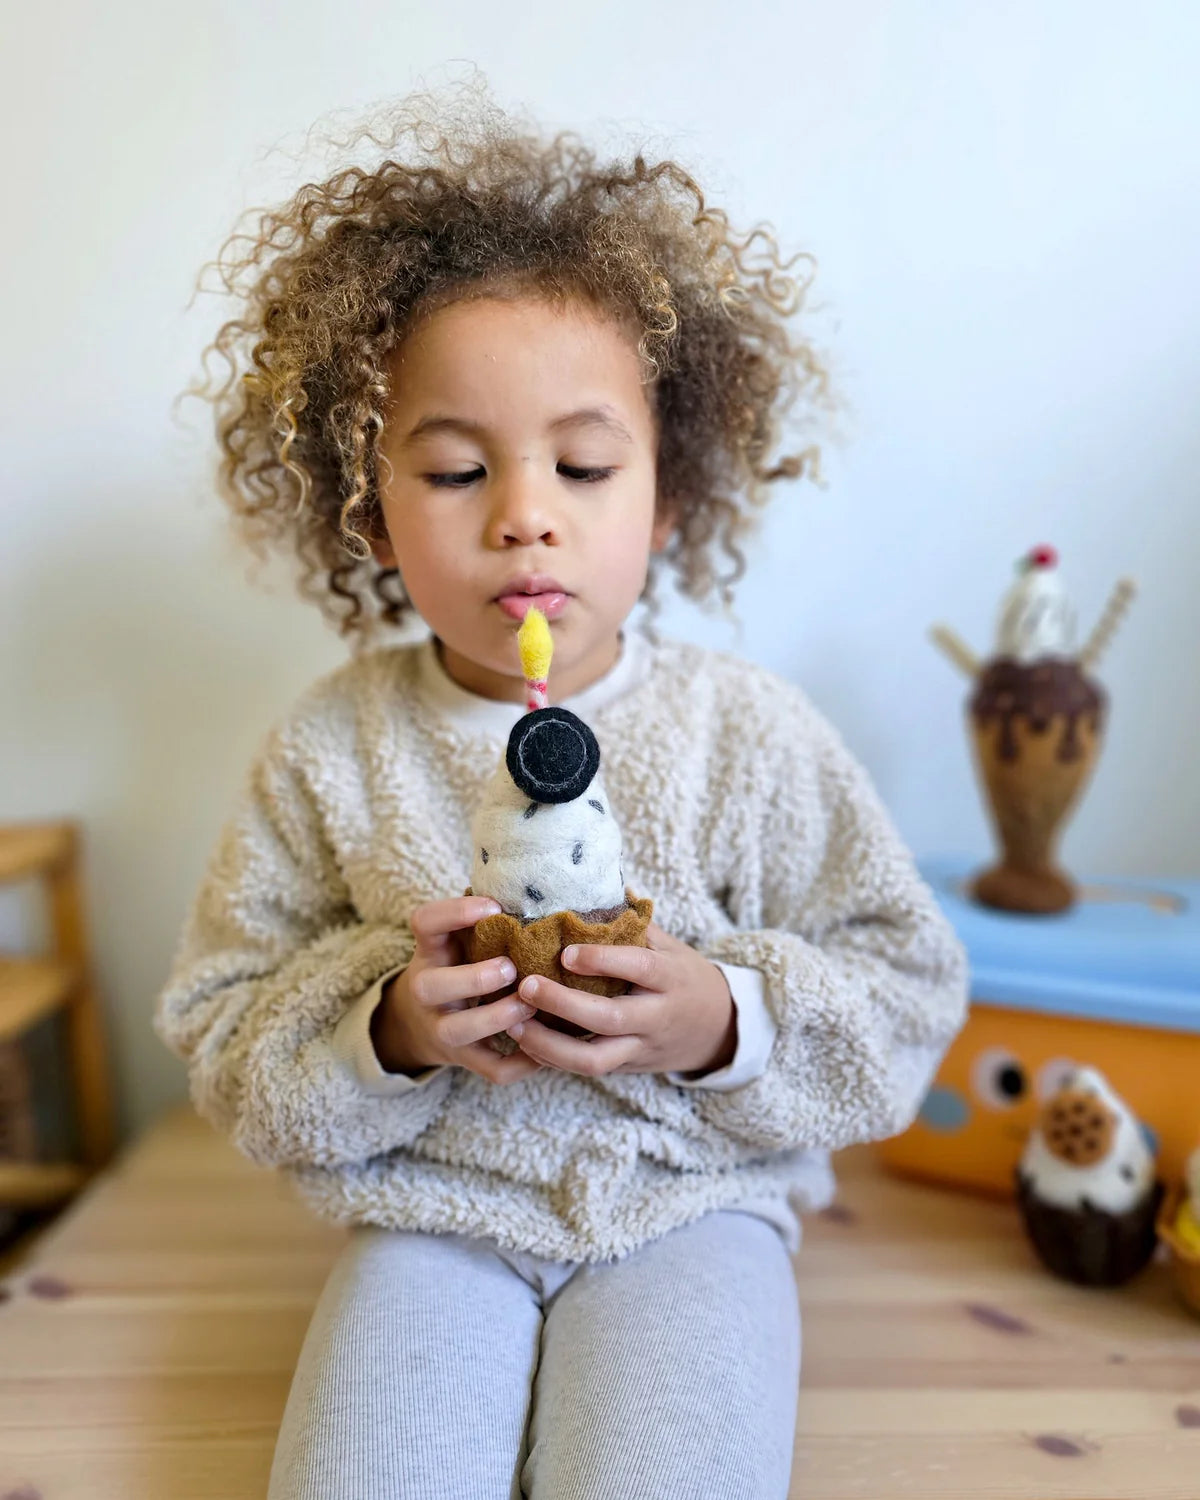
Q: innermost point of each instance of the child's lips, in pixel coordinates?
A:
(517, 605)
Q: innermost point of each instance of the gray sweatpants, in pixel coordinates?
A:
(441, 1367)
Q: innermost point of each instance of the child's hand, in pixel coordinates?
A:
(426, 1016)
(679, 1017)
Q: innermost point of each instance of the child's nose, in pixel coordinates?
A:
(521, 511)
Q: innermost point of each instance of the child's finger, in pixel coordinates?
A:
(459, 1028)
(434, 923)
(455, 983)
(496, 1069)
(599, 1013)
(641, 966)
(571, 1054)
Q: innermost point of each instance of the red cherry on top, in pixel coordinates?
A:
(1043, 557)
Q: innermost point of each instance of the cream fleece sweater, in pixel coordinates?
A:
(745, 817)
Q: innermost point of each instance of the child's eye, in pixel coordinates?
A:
(469, 476)
(453, 481)
(585, 476)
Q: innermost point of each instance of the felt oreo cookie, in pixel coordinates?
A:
(552, 755)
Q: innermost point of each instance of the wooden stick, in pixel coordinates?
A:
(1114, 612)
(956, 649)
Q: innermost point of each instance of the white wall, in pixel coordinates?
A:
(1005, 204)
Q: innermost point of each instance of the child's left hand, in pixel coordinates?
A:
(679, 1015)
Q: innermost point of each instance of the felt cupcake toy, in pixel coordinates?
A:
(1179, 1229)
(1086, 1185)
(1187, 1220)
(547, 846)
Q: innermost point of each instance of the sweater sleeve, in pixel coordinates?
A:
(863, 973)
(755, 1034)
(352, 1042)
(272, 956)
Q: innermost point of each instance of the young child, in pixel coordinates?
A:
(494, 371)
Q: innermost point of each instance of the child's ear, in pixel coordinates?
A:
(381, 549)
(664, 525)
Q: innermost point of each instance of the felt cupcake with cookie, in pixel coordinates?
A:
(547, 845)
(1087, 1186)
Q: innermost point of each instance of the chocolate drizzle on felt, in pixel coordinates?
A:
(1041, 691)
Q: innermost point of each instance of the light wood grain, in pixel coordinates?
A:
(149, 1343)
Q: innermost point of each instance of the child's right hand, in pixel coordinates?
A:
(427, 1017)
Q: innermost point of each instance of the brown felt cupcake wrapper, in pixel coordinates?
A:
(536, 947)
(1088, 1245)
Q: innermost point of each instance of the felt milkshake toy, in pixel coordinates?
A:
(547, 846)
(1036, 717)
(1086, 1184)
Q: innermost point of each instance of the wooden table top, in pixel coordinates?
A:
(149, 1341)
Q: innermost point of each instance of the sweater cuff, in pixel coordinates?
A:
(756, 1030)
(351, 1043)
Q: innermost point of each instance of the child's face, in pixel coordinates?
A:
(507, 479)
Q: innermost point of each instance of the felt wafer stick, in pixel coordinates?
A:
(536, 646)
(1114, 612)
(956, 649)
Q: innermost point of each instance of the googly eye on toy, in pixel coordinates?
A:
(999, 1079)
(1054, 1075)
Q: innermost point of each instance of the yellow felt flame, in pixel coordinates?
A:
(536, 645)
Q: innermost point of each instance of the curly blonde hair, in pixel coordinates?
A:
(330, 283)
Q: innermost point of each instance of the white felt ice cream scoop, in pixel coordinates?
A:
(1088, 1147)
(534, 855)
(1036, 617)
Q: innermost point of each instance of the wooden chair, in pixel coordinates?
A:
(32, 988)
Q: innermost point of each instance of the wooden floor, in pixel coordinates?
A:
(147, 1346)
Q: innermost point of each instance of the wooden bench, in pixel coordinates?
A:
(149, 1340)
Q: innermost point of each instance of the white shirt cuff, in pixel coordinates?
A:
(756, 1029)
(352, 1045)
